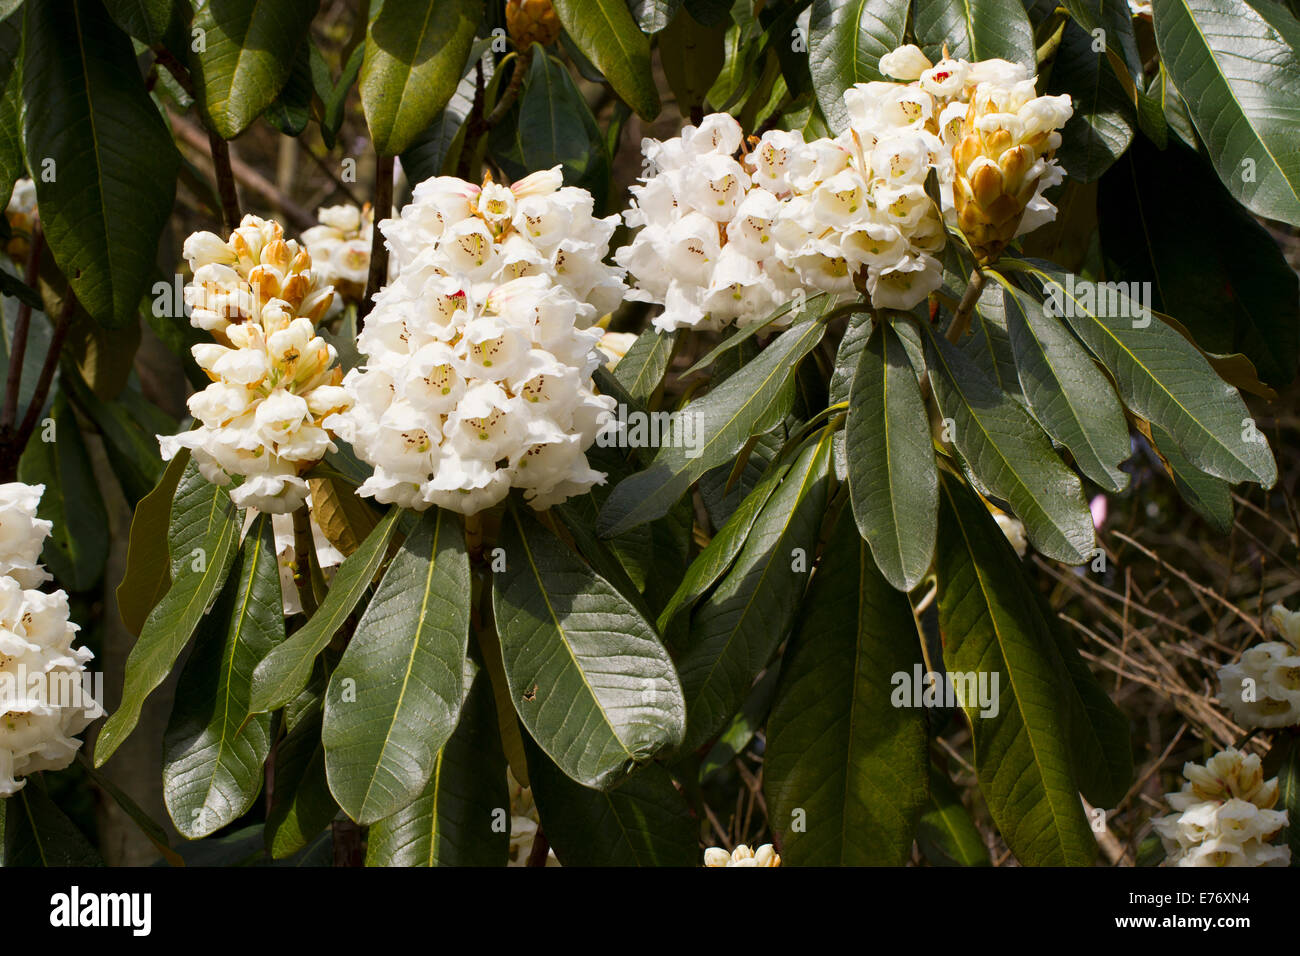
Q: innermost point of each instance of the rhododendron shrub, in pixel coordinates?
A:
(585, 433)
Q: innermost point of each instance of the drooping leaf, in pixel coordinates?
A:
(845, 770)
(712, 429)
(1101, 128)
(147, 575)
(114, 165)
(202, 541)
(606, 33)
(1226, 280)
(587, 673)
(283, 673)
(1009, 455)
(692, 55)
(642, 369)
(302, 805)
(458, 819)
(1164, 379)
(153, 22)
(37, 833)
(846, 39)
(1237, 66)
(645, 822)
(245, 57)
(892, 478)
(989, 623)
(738, 627)
(77, 546)
(551, 125)
(394, 698)
(415, 55)
(1209, 497)
(945, 833)
(212, 757)
(1068, 394)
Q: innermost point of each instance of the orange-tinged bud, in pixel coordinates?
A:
(532, 21)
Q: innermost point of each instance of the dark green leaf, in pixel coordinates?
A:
(394, 699)
(892, 477)
(606, 33)
(212, 757)
(975, 30)
(37, 833)
(845, 769)
(737, 629)
(945, 833)
(846, 39)
(752, 401)
(147, 576)
(106, 197)
(642, 369)
(587, 673)
(282, 675)
(991, 626)
(202, 540)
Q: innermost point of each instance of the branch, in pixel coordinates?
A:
(61, 326)
(21, 324)
(225, 181)
(383, 208)
(961, 320)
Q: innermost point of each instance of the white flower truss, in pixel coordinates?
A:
(479, 354)
(729, 227)
(1262, 689)
(274, 380)
(43, 701)
(765, 855)
(340, 250)
(1224, 815)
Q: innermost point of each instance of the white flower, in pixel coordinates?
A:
(43, 699)
(479, 354)
(274, 379)
(905, 63)
(1262, 689)
(1223, 815)
(1014, 529)
(742, 855)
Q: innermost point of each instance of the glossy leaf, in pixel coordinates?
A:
(394, 698)
(892, 478)
(415, 54)
(846, 39)
(642, 369)
(587, 673)
(1238, 69)
(752, 401)
(608, 36)
(202, 540)
(37, 833)
(452, 822)
(302, 805)
(735, 631)
(975, 30)
(286, 670)
(212, 757)
(1101, 128)
(114, 163)
(838, 749)
(1010, 456)
(989, 623)
(248, 52)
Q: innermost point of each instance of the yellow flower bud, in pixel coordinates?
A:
(532, 21)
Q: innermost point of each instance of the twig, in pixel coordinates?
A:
(510, 93)
(540, 851)
(225, 181)
(247, 176)
(383, 208)
(61, 326)
(22, 322)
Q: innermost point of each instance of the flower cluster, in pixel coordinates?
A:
(479, 354)
(729, 227)
(340, 250)
(1263, 688)
(742, 855)
(1223, 815)
(43, 701)
(273, 378)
